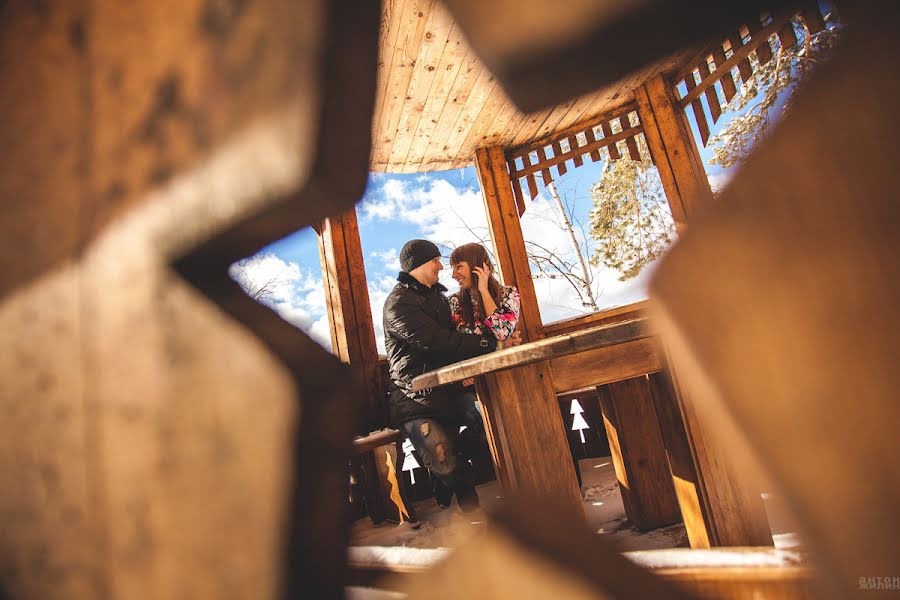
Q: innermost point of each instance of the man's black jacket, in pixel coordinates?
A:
(419, 336)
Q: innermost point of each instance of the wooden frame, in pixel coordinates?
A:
(713, 65)
(583, 140)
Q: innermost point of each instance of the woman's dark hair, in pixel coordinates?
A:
(474, 255)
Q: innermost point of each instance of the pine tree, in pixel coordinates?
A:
(630, 219)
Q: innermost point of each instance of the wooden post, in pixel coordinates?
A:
(349, 313)
(353, 336)
(638, 454)
(673, 149)
(506, 231)
(688, 486)
(720, 506)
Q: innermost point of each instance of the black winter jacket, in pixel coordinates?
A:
(419, 336)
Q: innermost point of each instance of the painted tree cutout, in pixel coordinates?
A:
(578, 422)
(409, 461)
(395, 496)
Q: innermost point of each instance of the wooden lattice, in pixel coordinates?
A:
(712, 72)
(615, 131)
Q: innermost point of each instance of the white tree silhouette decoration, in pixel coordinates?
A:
(409, 461)
(578, 423)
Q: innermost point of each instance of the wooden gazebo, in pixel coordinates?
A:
(165, 436)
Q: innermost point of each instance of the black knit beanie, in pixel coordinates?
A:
(416, 253)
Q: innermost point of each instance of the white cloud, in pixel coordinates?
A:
(447, 215)
(451, 216)
(296, 294)
(389, 259)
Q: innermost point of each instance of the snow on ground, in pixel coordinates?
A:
(448, 528)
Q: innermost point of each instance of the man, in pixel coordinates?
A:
(419, 337)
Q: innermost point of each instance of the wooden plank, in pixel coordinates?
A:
(744, 68)
(812, 16)
(506, 231)
(591, 137)
(723, 69)
(542, 163)
(489, 417)
(438, 28)
(673, 147)
(486, 130)
(400, 73)
(581, 126)
(689, 488)
(787, 36)
(697, 108)
(763, 49)
(557, 150)
(769, 388)
(387, 459)
(627, 312)
(630, 142)
(374, 439)
(728, 86)
(712, 96)
(520, 196)
(573, 145)
(605, 142)
(349, 311)
(393, 20)
(455, 119)
(545, 349)
(531, 436)
(454, 70)
(605, 365)
(610, 142)
(638, 454)
(532, 186)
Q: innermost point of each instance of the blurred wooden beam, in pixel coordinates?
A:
(782, 300)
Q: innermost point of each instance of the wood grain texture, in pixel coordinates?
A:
(506, 231)
(529, 434)
(437, 103)
(689, 487)
(546, 349)
(349, 311)
(813, 210)
(638, 454)
(606, 365)
(674, 150)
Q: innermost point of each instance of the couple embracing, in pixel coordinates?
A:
(425, 330)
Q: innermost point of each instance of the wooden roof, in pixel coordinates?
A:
(436, 102)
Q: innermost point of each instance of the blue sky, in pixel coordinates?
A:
(447, 208)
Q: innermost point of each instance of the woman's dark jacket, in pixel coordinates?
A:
(419, 336)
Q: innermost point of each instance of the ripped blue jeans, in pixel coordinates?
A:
(446, 452)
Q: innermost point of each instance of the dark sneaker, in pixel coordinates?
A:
(443, 495)
(468, 501)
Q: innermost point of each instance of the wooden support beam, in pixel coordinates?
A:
(605, 365)
(692, 497)
(349, 313)
(673, 149)
(506, 231)
(638, 453)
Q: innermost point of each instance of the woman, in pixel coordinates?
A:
(481, 305)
